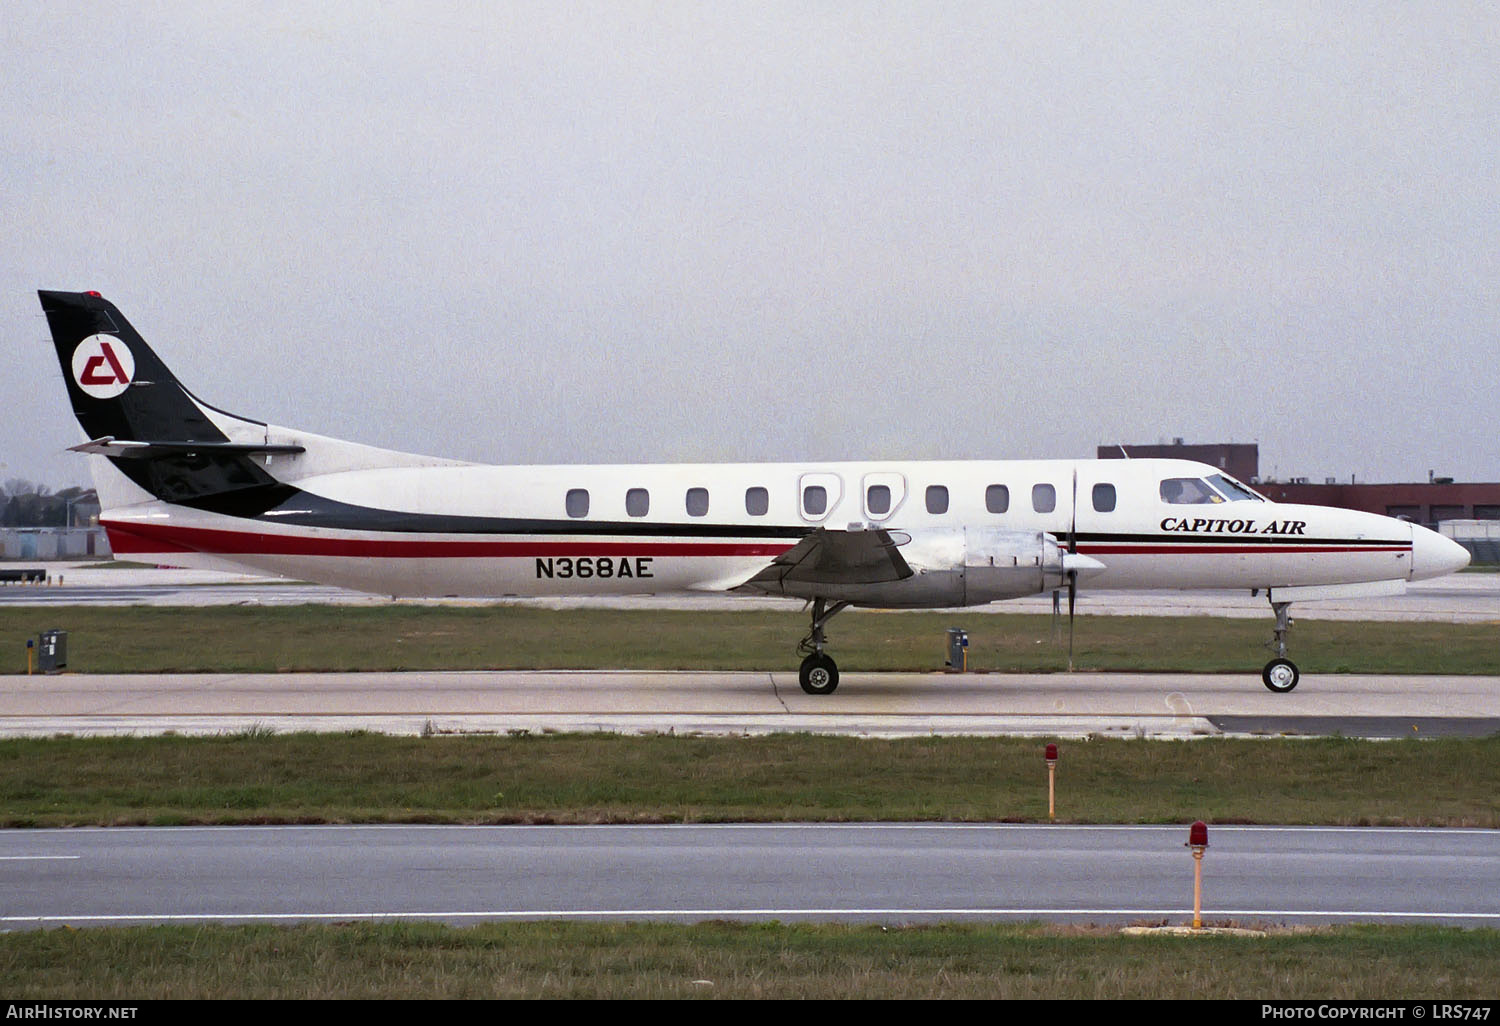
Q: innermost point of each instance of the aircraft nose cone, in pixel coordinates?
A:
(1433, 555)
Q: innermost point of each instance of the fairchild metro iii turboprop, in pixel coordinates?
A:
(186, 483)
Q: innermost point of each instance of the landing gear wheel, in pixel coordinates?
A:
(1280, 675)
(819, 675)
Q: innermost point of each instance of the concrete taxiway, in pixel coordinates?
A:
(871, 704)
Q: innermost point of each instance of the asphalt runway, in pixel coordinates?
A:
(894, 873)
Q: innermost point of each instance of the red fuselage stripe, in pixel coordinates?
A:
(1147, 549)
(140, 538)
(143, 538)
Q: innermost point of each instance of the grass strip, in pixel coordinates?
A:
(259, 777)
(142, 639)
(727, 960)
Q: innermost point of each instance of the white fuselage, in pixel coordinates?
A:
(590, 530)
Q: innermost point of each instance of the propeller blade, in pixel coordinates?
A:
(1073, 518)
(1073, 573)
(1072, 606)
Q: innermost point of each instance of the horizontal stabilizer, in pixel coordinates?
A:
(129, 449)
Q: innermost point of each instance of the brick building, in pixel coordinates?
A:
(1425, 502)
(1238, 460)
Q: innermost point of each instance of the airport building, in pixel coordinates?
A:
(69, 531)
(41, 543)
(1238, 460)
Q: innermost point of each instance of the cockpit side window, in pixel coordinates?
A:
(1188, 491)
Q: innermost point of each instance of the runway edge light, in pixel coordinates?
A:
(1198, 841)
(1051, 781)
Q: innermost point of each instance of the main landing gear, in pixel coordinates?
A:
(819, 674)
(1281, 674)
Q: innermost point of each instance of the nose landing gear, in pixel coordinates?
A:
(1281, 674)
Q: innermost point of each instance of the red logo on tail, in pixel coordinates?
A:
(103, 366)
(88, 377)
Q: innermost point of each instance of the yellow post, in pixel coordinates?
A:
(1197, 888)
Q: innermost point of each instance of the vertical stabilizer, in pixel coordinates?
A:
(138, 416)
(118, 386)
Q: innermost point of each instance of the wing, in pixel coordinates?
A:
(835, 557)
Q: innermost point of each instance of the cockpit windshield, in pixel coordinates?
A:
(1233, 490)
(1195, 491)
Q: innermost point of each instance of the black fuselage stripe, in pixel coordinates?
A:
(286, 505)
(1235, 539)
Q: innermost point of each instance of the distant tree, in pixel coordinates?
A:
(23, 504)
(25, 510)
(66, 500)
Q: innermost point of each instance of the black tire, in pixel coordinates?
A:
(819, 675)
(1280, 675)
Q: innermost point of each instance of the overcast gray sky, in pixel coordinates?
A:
(565, 232)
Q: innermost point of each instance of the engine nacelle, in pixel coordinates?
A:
(957, 567)
(1010, 564)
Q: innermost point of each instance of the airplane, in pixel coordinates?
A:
(186, 483)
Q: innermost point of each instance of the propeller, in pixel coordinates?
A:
(1073, 571)
(1074, 564)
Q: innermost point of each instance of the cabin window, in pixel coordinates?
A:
(757, 501)
(878, 500)
(577, 502)
(1043, 498)
(815, 500)
(1188, 491)
(937, 498)
(637, 502)
(997, 498)
(1104, 498)
(697, 502)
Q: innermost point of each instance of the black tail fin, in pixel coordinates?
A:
(135, 412)
(118, 386)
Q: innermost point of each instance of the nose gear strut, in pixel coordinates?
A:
(1281, 674)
